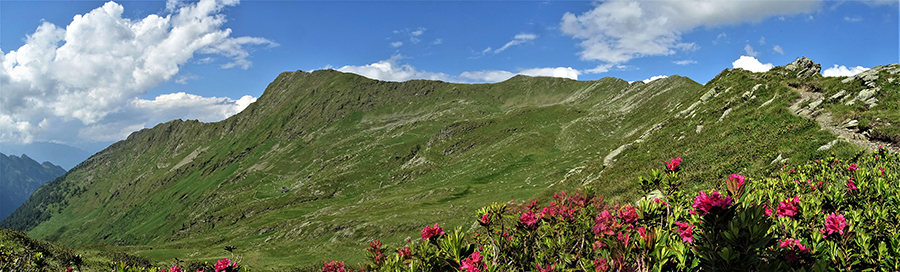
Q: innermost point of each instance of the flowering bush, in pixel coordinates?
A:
(831, 228)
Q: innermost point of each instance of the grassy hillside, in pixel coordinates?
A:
(325, 162)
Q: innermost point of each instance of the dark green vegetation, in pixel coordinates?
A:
(325, 162)
(21, 176)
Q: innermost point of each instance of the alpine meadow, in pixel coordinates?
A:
(461, 136)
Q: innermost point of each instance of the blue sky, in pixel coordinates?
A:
(87, 73)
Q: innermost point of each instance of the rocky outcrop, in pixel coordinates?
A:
(804, 67)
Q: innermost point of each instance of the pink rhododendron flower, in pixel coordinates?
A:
(485, 219)
(882, 170)
(852, 167)
(834, 223)
(643, 231)
(473, 263)
(601, 265)
(69, 269)
(738, 178)
(768, 210)
(332, 266)
(659, 200)
(851, 185)
(223, 264)
(404, 252)
(792, 244)
(624, 238)
(685, 230)
(605, 224)
(703, 204)
(628, 214)
(428, 232)
(175, 269)
(199, 270)
(544, 269)
(528, 219)
(673, 164)
(788, 208)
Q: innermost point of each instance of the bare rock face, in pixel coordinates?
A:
(805, 67)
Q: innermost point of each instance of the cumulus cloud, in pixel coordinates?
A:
(654, 78)
(749, 50)
(618, 31)
(563, 72)
(396, 44)
(843, 71)
(393, 70)
(518, 39)
(778, 49)
(684, 62)
(750, 63)
(88, 73)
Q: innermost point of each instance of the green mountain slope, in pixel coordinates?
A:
(21, 176)
(325, 162)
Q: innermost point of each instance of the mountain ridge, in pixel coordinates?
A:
(325, 161)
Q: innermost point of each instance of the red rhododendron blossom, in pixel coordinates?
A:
(69, 269)
(703, 204)
(628, 214)
(643, 231)
(473, 263)
(624, 238)
(834, 223)
(430, 231)
(223, 264)
(852, 167)
(605, 224)
(548, 268)
(851, 185)
(673, 164)
(738, 178)
(404, 252)
(768, 210)
(485, 219)
(685, 230)
(601, 265)
(882, 170)
(199, 270)
(788, 208)
(175, 269)
(659, 200)
(332, 266)
(792, 244)
(528, 219)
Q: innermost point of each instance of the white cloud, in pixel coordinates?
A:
(563, 72)
(762, 40)
(720, 37)
(87, 73)
(654, 78)
(418, 32)
(778, 49)
(183, 79)
(853, 19)
(603, 68)
(618, 31)
(393, 70)
(684, 62)
(750, 63)
(485, 76)
(749, 50)
(396, 44)
(437, 41)
(518, 39)
(843, 71)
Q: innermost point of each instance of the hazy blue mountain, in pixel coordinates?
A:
(21, 176)
(65, 156)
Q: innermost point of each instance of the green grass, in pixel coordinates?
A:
(366, 159)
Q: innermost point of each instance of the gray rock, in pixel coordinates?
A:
(837, 96)
(708, 95)
(851, 124)
(828, 145)
(867, 93)
(805, 67)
